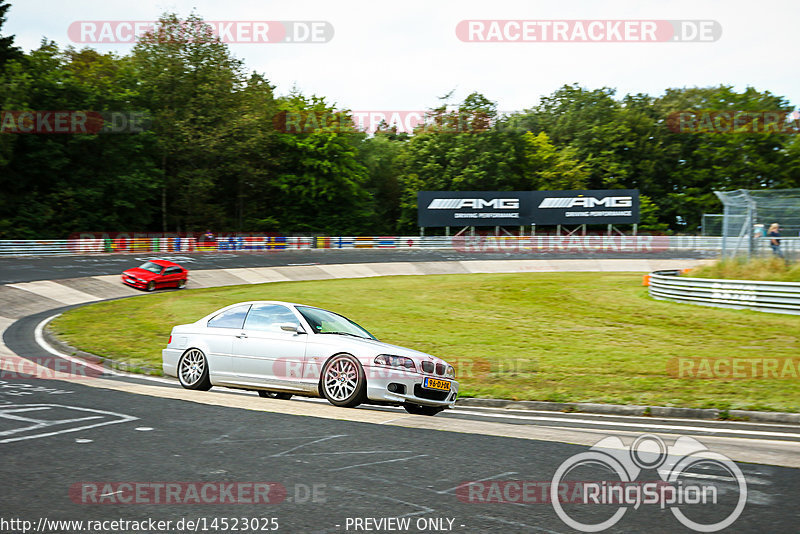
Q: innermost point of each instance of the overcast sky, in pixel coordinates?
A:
(403, 55)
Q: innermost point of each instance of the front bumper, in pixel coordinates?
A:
(133, 282)
(379, 380)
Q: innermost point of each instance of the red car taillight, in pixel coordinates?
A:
(170, 341)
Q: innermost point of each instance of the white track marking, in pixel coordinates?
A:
(644, 419)
(326, 438)
(380, 462)
(637, 425)
(38, 335)
(43, 423)
(493, 477)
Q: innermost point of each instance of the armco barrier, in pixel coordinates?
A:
(540, 243)
(772, 297)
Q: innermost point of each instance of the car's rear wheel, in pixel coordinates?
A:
(181, 283)
(343, 382)
(274, 395)
(416, 409)
(193, 370)
(151, 285)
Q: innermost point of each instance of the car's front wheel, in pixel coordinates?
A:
(151, 285)
(416, 409)
(343, 381)
(193, 370)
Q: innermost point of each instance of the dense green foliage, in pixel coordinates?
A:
(213, 156)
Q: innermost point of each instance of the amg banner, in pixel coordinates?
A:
(472, 208)
(601, 206)
(518, 208)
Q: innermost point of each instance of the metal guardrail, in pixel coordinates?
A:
(546, 243)
(772, 297)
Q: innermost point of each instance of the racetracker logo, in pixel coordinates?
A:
(733, 122)
(588, 31)
(48, 368)
(73, 122)
(228, 31)
(704, 490)
(371, 121)
(178, 493)
(732, 368)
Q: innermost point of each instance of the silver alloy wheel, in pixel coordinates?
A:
(341, 379)
(193, 370)
(181, 283)
(192, 367)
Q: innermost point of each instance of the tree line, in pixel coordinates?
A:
(215, 154)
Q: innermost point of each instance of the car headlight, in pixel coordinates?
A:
(450, 372)
(390, 360)
(140, 280)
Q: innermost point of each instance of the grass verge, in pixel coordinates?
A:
(567, 337)
(770, 269)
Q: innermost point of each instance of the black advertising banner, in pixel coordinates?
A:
(472, 208)
(518, 208)
(604, 206)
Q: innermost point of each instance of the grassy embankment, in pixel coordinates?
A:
(772, 269)
(593, 337)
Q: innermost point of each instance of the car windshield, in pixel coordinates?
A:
(152, 267)
(325, 322)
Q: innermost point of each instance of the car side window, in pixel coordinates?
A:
(268, 317)
(232, 318)
(172, 270)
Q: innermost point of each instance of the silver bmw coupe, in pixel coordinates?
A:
(281, 349)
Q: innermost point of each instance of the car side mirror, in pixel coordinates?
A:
(292, 327)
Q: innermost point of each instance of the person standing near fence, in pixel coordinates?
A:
(774, 242)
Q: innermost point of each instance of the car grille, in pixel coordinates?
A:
(430, 394)
(430, 368)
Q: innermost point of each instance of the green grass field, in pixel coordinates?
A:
(589, 337)
(771, 268)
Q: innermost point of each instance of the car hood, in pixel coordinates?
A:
(378, 347)
(141, 273)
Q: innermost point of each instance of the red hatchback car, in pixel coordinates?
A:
(156, 274)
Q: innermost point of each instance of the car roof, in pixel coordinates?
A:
(284, 303)
(164, 263)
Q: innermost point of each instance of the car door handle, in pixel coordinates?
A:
(242, 335)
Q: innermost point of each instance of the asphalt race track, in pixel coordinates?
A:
(14, 270)
(67, 444)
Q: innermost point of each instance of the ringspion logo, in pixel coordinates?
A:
(588, 31)
(228, 31)
(704, 490)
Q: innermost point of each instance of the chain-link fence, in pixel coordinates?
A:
(712, 224)
(748, 216)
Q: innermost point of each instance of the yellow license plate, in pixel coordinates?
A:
(434, 383)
